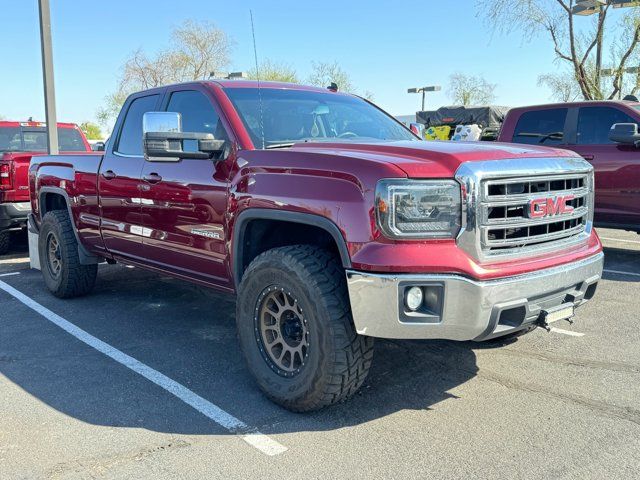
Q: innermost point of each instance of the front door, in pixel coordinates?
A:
(184, 202)
(119, 182)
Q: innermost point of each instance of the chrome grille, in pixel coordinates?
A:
(504, 220)
(497, 214)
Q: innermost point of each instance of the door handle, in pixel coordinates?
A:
(588, 157)
(152, 178)
(109, 175)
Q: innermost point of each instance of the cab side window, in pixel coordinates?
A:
(541, 127)
(594, 124)
(130, 141)
(198, 114)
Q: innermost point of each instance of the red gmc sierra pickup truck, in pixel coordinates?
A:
(19, 141)
(331, 222)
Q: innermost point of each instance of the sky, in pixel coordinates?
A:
(386, 47)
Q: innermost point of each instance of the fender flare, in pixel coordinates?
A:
(86, 258)
(312, 219)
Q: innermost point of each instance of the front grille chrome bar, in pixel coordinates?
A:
(518, 242)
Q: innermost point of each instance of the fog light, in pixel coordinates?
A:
(413, 298)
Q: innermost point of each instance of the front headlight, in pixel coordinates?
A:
(418, 208)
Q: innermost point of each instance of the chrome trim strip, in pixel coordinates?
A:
(547, 237)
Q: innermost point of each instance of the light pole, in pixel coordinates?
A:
(423, 90)
(47, 77)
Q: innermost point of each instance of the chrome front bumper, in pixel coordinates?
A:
(469, 309)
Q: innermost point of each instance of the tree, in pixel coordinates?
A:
(274, 72)
(578, 44)
(325, 73)
(91, 131)
(470, 90)
(196, 50)
(563, 86)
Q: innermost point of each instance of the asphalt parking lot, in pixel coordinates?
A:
(564, 404)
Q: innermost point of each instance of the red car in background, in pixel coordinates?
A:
(585, 128)
(19, 141)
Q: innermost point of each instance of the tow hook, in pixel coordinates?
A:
(542, 322)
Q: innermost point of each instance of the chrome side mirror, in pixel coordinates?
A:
(161, 122)
(163, 139)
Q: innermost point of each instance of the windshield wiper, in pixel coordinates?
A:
(543, 138)
(280, 145)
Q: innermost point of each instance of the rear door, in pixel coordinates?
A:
(119, 181)
(184, 202)
(617, 166)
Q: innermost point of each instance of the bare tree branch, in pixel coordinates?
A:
(617, 80)
(197, 48)
(599, 32)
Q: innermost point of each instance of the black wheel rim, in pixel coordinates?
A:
(54, 257)
(281, 331)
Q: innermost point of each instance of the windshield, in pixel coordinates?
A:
(290, 116)
(28, 139)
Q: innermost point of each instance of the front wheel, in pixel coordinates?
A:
(295, 329)
(63, 273)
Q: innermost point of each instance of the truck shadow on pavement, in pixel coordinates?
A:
(621, 260)
(188, 334)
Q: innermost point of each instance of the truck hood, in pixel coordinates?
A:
(431, 159)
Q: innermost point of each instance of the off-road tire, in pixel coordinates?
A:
(73, 278)
(5, 241)
(338, 359)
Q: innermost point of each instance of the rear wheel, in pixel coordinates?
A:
(62, 271)
(5, 240)
(295, 329)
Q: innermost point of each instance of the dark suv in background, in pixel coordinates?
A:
(585, 128)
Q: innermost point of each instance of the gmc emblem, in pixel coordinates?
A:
(551, 206)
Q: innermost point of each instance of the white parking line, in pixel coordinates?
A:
(249, 434)
(620, 272)
(9, 274)
(567, 332)
(619, 240)
(15, 260)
